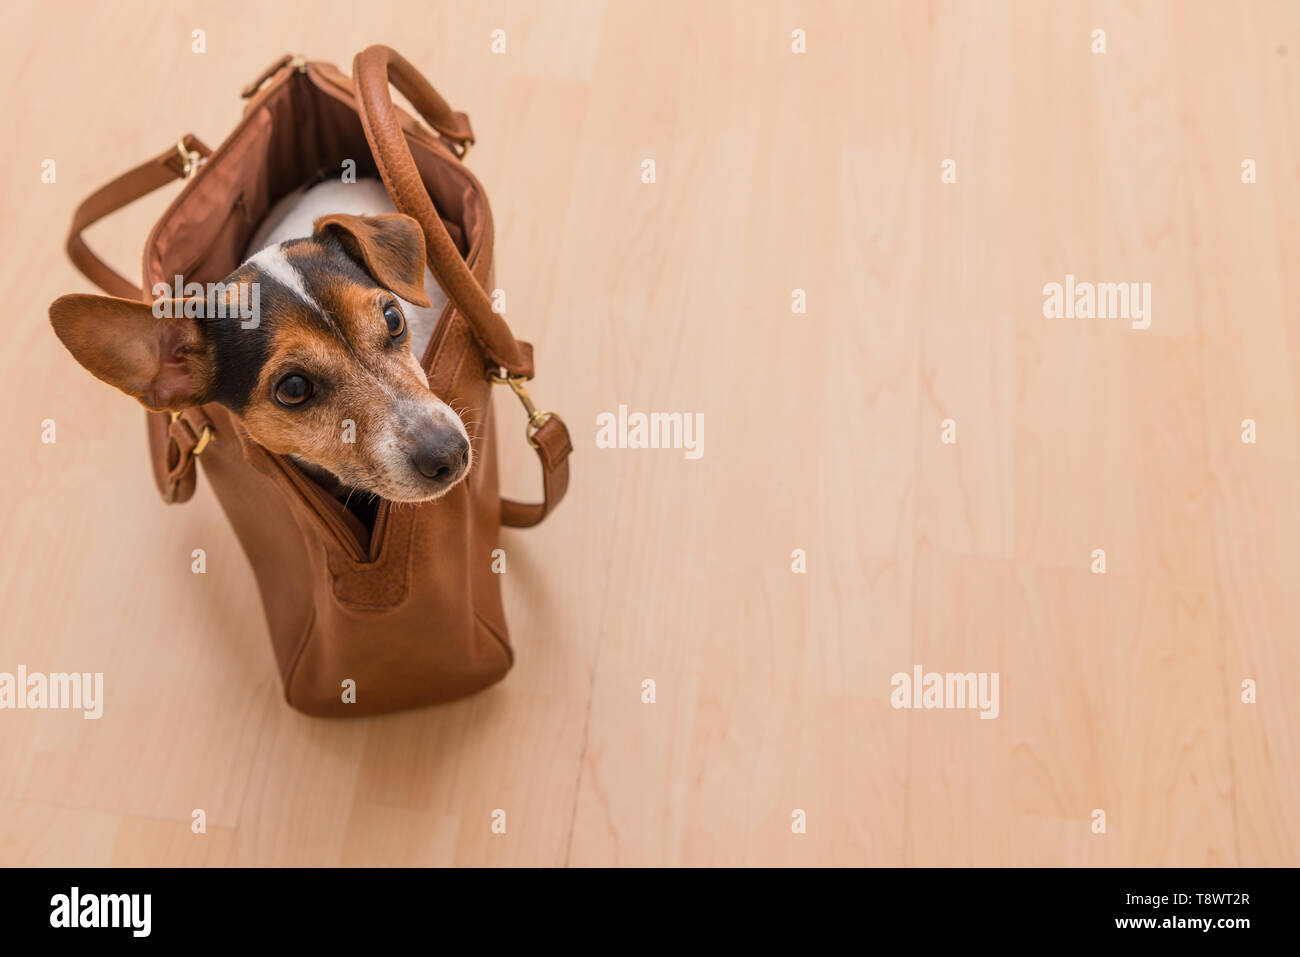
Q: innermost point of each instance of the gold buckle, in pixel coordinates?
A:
(205, 436)
(464, 149)
(190, 159)
(536, 417)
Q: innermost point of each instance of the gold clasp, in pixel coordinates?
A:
(205, 436)
(190, 159)
(536, 417)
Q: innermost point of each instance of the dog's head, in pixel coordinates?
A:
(306, 343)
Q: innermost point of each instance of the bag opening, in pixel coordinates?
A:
(302, 131)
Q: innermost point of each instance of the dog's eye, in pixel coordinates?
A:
(396, 321)
(293, 389)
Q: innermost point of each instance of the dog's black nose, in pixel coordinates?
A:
(442, 459)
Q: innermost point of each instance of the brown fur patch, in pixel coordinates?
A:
(391, 246)
(358, 372)
(164, 362)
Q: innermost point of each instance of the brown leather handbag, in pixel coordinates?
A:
(400, 607)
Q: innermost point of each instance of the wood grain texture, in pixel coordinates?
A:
(775, 172)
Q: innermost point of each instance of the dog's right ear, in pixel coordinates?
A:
(164, 362)
(390, 246)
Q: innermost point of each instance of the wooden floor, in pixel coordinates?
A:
(775, 171)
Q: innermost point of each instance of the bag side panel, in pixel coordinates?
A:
(271, 537)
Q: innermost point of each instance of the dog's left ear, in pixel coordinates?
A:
(159, 356)
(391, 247)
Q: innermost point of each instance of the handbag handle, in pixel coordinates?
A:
(178, 161)
(372, 71)
(174, 440)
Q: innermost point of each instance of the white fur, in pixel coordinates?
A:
(292, 218)
(273, 262)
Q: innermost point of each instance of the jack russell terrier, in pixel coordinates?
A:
(346, 307)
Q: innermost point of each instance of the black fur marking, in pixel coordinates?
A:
(337, 260)
(241, 353)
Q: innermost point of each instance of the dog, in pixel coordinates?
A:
(345, 306)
